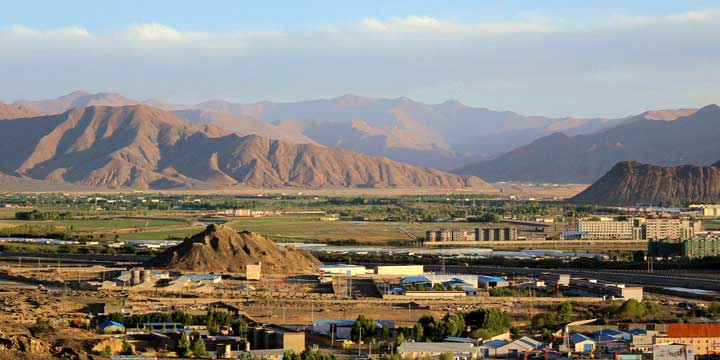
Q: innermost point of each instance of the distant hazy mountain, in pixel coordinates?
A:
(77, 99)
(139, 146)
(690, 139)
(630, 182)
(13, 112)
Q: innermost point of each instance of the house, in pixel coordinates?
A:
(704, 338)
(517, 347)
(582, 343)
(111, 327)
(489, 348)
(433, 350)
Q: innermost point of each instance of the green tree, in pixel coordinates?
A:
(446, 356)
(182, 348)
(198, 347)
(400, 339)
(565, 313)
(126, 348)
(419, 332)
(107, 351)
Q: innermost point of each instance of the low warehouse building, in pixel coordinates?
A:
(491, 282)
(433, 350)
(404, 270)
(342, 269)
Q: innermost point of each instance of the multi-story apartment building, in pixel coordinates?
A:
(479, 234)
(496, 234)
(638, 228)
(443, 235)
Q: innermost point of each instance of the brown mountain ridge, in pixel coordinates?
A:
(630, 183)
(138, 146)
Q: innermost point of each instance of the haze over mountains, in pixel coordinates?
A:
(137, 146)
(690, 139)
(443, 136)
(630, 182)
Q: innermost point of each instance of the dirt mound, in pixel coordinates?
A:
(220, 248)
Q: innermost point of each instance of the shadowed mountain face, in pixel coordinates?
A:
(585, 158)
(630, 182)
(142, 147)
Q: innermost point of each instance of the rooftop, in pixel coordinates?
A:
(440, 347)
(693, 330)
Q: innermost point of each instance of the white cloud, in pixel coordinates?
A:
(620, 65)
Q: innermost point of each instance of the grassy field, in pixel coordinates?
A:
(96, 224)
(311, 229)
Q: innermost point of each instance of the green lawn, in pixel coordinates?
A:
(96, 224)
(310, 228)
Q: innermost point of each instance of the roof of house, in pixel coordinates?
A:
(415, 279)
(693, 330)
(490, 278)
(110, 323)
(493, 344)
(458, 339)
(637, 332)
(525, 343)
(578, 338)
(434, 347)
(611, 332)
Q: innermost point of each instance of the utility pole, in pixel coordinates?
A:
(359, 341)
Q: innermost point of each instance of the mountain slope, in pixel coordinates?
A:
(630, 182)
(247, 125)
(14, 112)
(584, 158)
(77, 99)
(142, 147)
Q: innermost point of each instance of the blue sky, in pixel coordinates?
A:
(582, 58)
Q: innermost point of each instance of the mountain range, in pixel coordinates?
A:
(655, 137)
(443, 136)
(138, 146)
(630, 183)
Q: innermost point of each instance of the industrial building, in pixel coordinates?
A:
(341, 329)
(601, 288)
(433, 350)
(342, 269)
(276, 337)
(698, 248)
(709, 210)
(491, 282)
(403, 270)
(704, 338)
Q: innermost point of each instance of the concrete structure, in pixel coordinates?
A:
(710, 210)
(608, 229)
(253, 271)
(342, 269)
(517, 347)
(673, 351)
(704, 338)
(433, 350)
(445, 235)
(698, 248)
(582, 343)
(111, 327)
(491, 282)
(496, 234)
(404, 270)
(489, 348)
(601, 288)
(555, 280)
(669, 228)
(341, 329)
(649, 228)
(276, 337)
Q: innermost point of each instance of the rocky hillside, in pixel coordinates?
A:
(220, 248)
(561, 158)
(14, 112)
(630, 183)
(139, 146)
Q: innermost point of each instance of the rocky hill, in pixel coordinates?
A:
(138, 146)
(630, 182)
(220, 248)
(77, 99)
(561, 158)
(14, 112)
